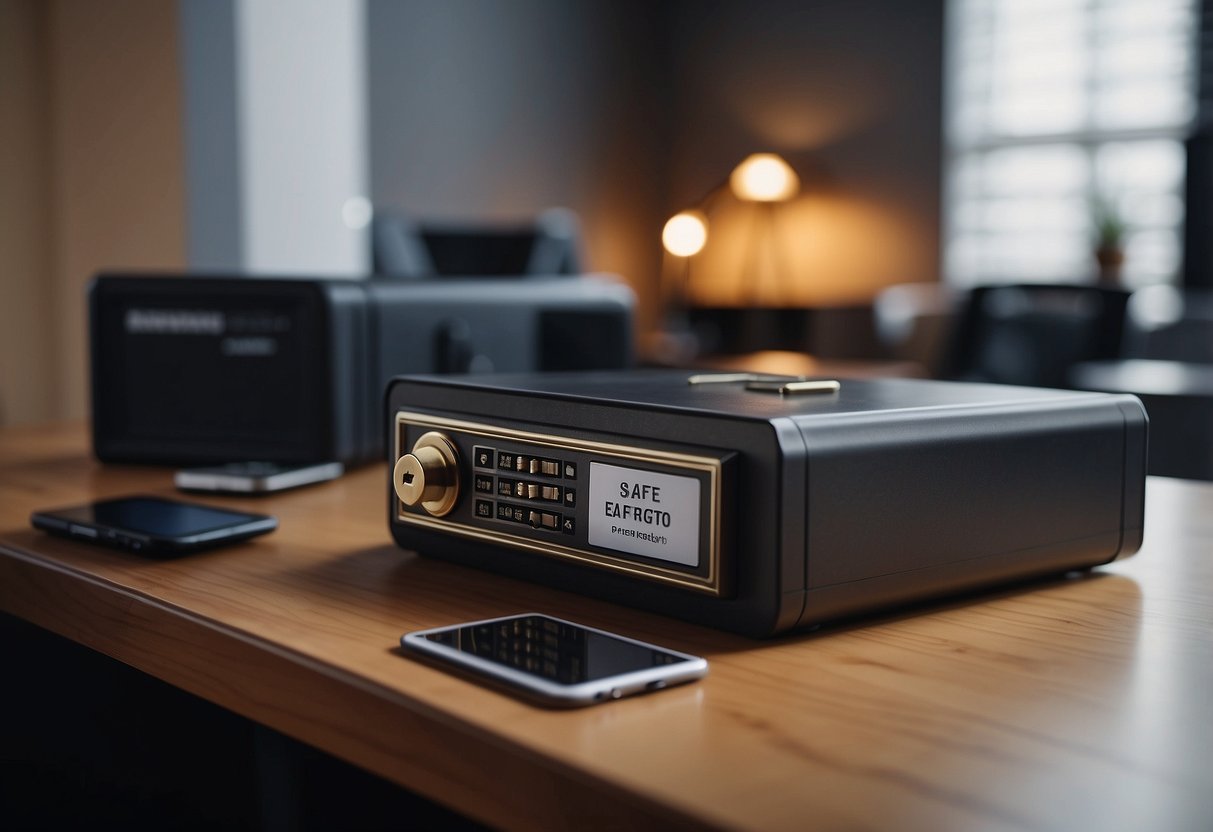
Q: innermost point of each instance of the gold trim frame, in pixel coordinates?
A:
(710, 583)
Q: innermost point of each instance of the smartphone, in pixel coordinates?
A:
(153, 525)
(551, 661)
(255, 477)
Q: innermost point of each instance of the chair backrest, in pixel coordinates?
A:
(1170, 324)
(914, 322)
(551, 245)
(1032, 334)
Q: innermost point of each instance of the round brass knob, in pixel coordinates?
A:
(429, 475)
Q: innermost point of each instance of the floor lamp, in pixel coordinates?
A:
(762, 180)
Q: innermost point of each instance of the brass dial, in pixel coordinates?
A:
(429, 474)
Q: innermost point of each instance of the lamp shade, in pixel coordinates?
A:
(764, 177)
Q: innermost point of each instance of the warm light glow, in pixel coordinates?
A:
(764, 177)
(685, 234)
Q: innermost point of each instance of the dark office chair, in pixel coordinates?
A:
(1032, 334)
(915, 322)
(551, 245)
(1170, 324)
(1168, 364)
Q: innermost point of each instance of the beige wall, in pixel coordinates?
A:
(90, 121)
(26, 345)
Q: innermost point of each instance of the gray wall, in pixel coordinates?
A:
(275, 135)
(497, 110)
(214, 210)
(629, 111)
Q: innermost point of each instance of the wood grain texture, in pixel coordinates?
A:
(1083, 703)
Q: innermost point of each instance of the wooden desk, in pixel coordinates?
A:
(1078, 704)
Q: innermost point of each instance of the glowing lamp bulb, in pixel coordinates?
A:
(764, 177)
(685, 234)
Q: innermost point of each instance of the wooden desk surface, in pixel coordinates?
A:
(1078, 704)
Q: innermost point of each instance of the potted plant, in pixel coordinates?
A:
(1109, 240)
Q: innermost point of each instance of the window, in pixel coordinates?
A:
(1055, 107)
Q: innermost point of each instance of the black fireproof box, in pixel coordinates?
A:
(762, 505)
(201, 369)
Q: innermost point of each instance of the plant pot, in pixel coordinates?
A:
(1111, 261)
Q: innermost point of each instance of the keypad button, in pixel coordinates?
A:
(549, 520)
(505, 461)
(570, 470)
(484, 508)
(570, 497)
(568, 525)
(482, 457)
(484, 484)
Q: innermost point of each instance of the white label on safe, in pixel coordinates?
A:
(644, 513)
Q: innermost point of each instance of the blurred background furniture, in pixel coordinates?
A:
(792, 363)
(404, 248)
(1178, 397)
(822, 331)
(1032, 334)
(1168, 363)
(1171, 324)
(915, 322)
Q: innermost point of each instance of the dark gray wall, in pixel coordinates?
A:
(629, 111)
(214, 217)
(494, 110)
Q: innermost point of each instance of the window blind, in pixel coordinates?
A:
(1054, 107)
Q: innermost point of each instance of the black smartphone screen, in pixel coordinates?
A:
(153, 524)
(552, 649)
(155, 517)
